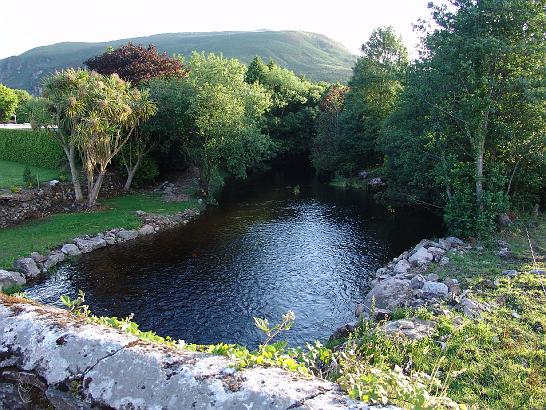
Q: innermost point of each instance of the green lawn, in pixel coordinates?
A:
(43, 234)
(11, 174)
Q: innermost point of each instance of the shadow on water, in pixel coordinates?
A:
(262, 252)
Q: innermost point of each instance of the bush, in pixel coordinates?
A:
(34, 148)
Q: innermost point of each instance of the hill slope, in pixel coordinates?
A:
(313, 55)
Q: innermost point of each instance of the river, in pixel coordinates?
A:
(263, 251)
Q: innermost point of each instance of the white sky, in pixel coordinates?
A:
(25, 24)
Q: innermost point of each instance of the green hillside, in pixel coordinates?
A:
(313, 55)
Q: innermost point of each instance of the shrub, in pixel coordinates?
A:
(33, 148)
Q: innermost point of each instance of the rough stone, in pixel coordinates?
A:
(444, 244)
(126, 235)
(453, 286)
(38, 257)
(504, 253)
(146, 230)
(70, 249)
(402, 267)
(110, 239)
(433, 277)
(436, 251)
(503, 220)
(413, 329)
(420, 257)
(53, 259)
(444, 260)
(27, 266)
(9, 279)
(454, 241)
(435, 288)
(510, 272)
(118, 371)
(389, 294)
(417, 282)
(89, 245)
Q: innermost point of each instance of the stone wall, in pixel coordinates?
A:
(49, 356)
(48, 199)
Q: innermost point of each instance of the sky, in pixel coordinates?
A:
(26, 24)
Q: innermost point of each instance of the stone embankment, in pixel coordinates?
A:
(31, 267)
(409, 281)
(51, 357)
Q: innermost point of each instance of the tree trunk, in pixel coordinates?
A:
(131, 174)
(94, 190)
(479, 173)
(70, 153)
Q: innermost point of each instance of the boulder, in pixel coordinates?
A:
(436, 251)
(435, 288)
(504, 253)
(454, 241)
(27, 266)
(126, 235)
(70, 249)
(376, 182)
(503, 220)
(444, 260)
(421, 257)
(38, 257)
(146, 230)
(89, 245)
(110, 239)
(444, 244)
(389, 294)
(9, 279)
(453, 286)
(510, 272)
(417, 282)
(433, 277)
(53, 259)
(402, 267)
(413, 328)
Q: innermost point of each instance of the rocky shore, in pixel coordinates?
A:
(32, 266)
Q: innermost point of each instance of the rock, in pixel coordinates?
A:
(444, 260)
(504, 253)
(110, 239)
(417, 282)
(363, 175)
(140, 213)
(538, 272)
(359, 309)
(89, 245)
(471, 308)
(27, 266)
(421, 257)
(435, 288)
(515, 315)
(402, 267)
(503, 220)
(444, 244)
(53, 182)
(9, 279)
(389, 294)
(343, 332)
(126, 235)
(70, 249)
(146, 230)
(413, 329)
(53, 259)
(436, 251)
(453, 286)
(510, 273)
(433, 277)
(38, 257)
(454, 241)
(376, 182)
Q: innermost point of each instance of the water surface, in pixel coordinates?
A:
(262, 252)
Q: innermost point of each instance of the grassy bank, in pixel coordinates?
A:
(11, 174)
(40, 235)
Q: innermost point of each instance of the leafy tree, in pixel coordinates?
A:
(8, 103)
(213, 117)
(96, 114)
(256, 71)
(137, 64)
(327, 151)
(472, 118)
(374, 89)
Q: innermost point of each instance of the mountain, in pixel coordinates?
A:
(313, 55)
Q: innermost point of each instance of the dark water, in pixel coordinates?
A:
(262, 252)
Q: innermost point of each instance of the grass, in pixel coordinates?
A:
(11, 174)
(44, 234)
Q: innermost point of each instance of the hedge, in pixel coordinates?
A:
(34, 148)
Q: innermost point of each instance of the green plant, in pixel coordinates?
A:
(272, 331)
(28, 178)
(15, 189)
(33, 148)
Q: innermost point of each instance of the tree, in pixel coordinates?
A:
(327, 152)
(137, 64)
(96, 114)
(256, 70)
(8, 103)
(478, 115)
(375, 85)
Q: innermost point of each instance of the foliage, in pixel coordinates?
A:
(98, 114)
(216, 117)
(373, 91)
(137, 64)
(34, 148)
(29, 179)
(327, 151)
(470, 127)
(8, 103)
(272, 331)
